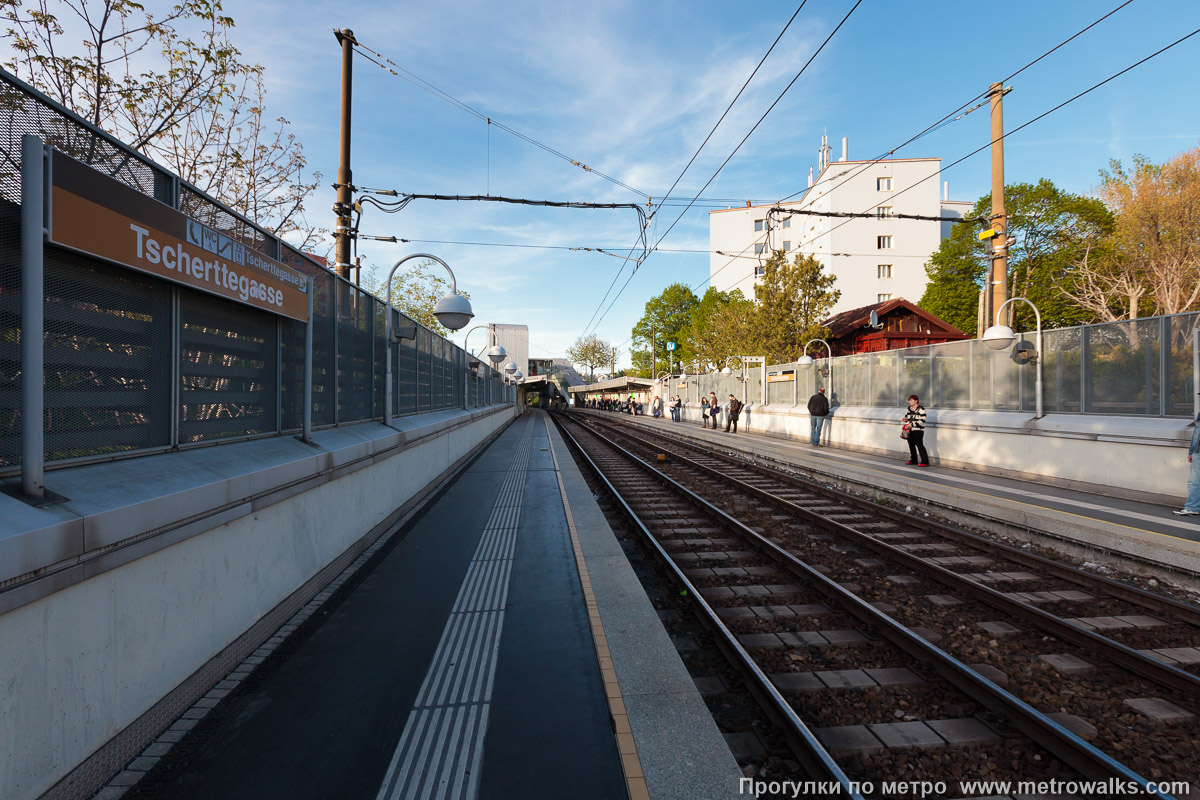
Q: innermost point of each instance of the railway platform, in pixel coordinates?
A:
(1082, 522)
(496, 645)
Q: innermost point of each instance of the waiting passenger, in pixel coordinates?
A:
(818, 409)
(914, 426)
(1192, 507)
(734, 411)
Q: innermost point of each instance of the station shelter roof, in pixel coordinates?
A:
(613, 386)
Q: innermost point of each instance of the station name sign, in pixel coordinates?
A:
(96, 215)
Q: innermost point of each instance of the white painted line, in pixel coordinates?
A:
(1014, 494)
(440, 752)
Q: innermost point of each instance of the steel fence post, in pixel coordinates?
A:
(308, 359)
(33, 311)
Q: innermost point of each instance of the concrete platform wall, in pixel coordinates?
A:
(81, 661)
(1126, 456)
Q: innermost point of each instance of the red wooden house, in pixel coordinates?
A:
(901, 324)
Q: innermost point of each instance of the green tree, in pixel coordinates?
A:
(416, 291)
(720, 326)
(591, 351)
(792, 300)
(1053, 231)
(669, 315)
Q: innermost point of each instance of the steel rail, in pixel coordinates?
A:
(1116, 652)
(805, 745)
(1086, 759)
(1184, 612)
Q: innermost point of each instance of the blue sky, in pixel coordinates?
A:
(632, 88)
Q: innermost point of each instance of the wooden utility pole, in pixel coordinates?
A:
(653, 355)
(343, 207)
(996, 292)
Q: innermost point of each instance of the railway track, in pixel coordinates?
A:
(876, 640)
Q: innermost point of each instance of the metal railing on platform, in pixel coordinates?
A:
(134, 364)
(1142, 367)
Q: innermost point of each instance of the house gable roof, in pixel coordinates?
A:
(850, 322)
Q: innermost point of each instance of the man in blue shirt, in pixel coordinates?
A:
(1192, 507)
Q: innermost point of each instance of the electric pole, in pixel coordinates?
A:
(653, 355)
(996, 292)
(344, 205)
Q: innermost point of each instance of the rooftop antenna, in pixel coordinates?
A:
(823, 153)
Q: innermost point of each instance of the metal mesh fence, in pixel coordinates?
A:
(1132, 368)
(107, 349)
(134, 363)
(229, 371)
(10, 334)
(21, 112)
(355, 328)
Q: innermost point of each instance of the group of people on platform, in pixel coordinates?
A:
(912, 424)
(630, 406)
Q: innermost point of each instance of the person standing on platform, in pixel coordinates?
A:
(703, 411)
(818, 409)
(714, 409)
(675, 408)
(735, 409)
(914, 418)
(656, 407)
(1192, 507)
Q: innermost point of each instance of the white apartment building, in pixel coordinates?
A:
(875, 259)
(515, 341)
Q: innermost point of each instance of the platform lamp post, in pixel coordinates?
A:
(746, 361)
(516, 379)
(453, 311)
(495, 354)
(999, 337)
(1196, 369)
(510, 369)
(805, 361)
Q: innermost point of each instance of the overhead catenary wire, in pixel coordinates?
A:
(1021, 127)
(403, 199)
(776, 102)
(608, 251)
(869, 215)
(588, 328)
(960, 112)
(935, 126)
(421, 83)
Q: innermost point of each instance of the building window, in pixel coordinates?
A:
(883, 212)
(787, 222)
(885, 270)
(787, 246)
(758, 248)
(759, 225)
(883, 298)
(884, 242)
(760, 271)
(883, 184)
